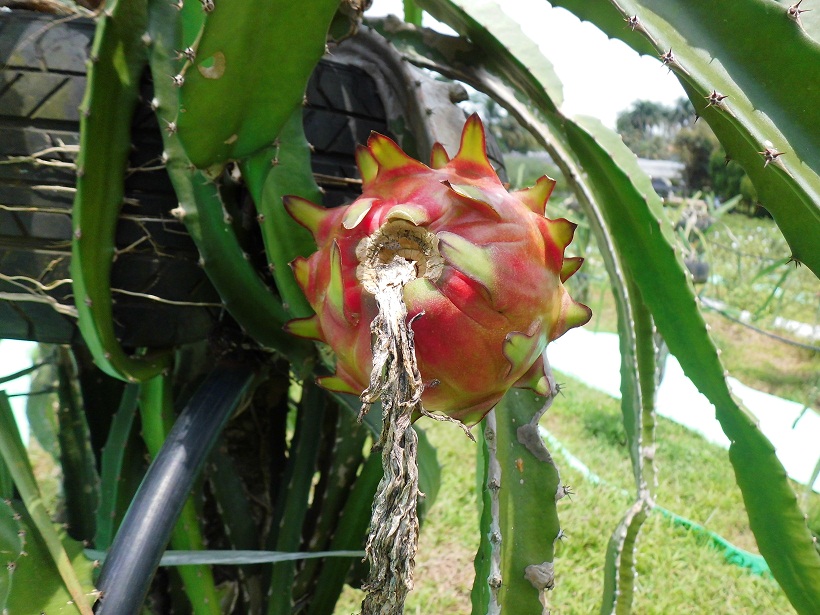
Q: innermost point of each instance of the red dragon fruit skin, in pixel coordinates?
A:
(490, 271)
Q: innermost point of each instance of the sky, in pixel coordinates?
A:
(15, 355)
(601, 77)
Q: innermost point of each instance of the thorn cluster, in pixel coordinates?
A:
(188, 53)
(794, 11)
(770, 154)
(715, 99)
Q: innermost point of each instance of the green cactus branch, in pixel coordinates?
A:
(11, 546)
(113, 459)
(218, 116)
(236, 513)
(486, 560)
(294, 496)
(6, 483)
(774, 514)
(345, 439)
(39, 411)
(80, 480)
(244, 293)
(621, 555)
(350, 534)
(36, 585)
(524, 489)
(281, 170)
(117, 59)
(638, 387)
(764, 71)
(15, 457)
(639, 365)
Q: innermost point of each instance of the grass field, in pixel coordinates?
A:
(678, 572)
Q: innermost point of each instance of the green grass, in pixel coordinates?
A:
(678, 572)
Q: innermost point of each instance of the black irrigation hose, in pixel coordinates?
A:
(146, 528)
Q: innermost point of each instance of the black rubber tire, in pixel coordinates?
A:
(342, 109)
(41, 86)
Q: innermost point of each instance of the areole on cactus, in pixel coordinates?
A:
(488, 293)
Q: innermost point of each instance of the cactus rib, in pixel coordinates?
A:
(768, 66)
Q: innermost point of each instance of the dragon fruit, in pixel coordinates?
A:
(488, 293)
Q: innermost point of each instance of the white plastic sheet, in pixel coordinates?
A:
(595, 360)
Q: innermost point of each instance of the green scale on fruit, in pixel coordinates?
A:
(488, 292)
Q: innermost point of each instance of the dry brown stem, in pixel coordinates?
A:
(395, 379)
